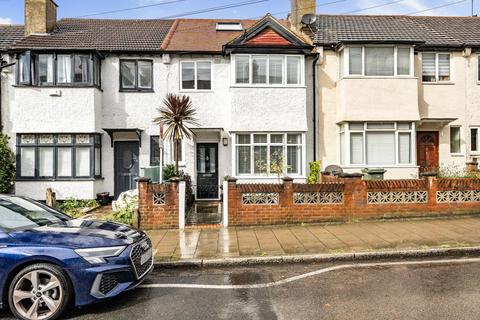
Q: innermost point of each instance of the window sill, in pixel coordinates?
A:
(136, 91)
(399, 166)
(269, 87)
(242, 177)
(195, 91)
(57, 179)
(446, 83)
(380, 77)
(73, 86)
(457, 155)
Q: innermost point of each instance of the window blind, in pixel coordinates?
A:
(379, 61)
(380, 148)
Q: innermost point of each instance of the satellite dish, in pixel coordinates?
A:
(309, 19)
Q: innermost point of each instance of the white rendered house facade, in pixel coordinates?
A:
(81, 119)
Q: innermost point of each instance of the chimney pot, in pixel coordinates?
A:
(40, 16)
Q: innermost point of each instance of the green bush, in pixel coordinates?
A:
(169, 172)
(314, 176)
(7, 165)
(123, 215)
(75, 207)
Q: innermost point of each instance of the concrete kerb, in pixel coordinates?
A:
(320, 258)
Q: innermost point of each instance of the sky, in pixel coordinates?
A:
(11, 11)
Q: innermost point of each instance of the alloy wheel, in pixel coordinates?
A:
(37, 295)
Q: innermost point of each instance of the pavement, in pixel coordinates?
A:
(198, 246)
(407, 289)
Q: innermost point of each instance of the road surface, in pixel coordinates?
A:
(373, 290)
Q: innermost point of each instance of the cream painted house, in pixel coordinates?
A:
(397, 92)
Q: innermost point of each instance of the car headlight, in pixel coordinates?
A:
(98, 255)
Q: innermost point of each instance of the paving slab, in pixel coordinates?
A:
(216, 244)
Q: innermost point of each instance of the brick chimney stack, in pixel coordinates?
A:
(299, 9)
(40, 16)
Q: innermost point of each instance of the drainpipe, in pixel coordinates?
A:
(314, 101)
(3, 65)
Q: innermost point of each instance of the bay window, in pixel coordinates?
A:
(269, 154)
(436, 67)
(50, 69)
(58, 156)
(376, 61)
(196, 75)
(377, 143)
(268, 70)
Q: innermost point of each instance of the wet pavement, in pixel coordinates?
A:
(425, 291)
(213, 243)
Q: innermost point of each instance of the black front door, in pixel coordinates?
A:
(207, 171)
(126, 165)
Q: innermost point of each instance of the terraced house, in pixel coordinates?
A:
(395, 92)
(81, 99)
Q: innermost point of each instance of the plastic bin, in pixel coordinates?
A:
(373, 173)
(152, 173)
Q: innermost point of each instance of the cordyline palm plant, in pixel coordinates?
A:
(176, 115)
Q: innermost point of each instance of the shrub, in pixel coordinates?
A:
(123, 215)
(454, 171)
(169, 172)
(314, 176)
(7, 165)
(75, 207)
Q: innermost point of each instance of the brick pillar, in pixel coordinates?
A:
(432, 185)
(143, 200)
(233, 200)
(355, 195)
(286, 197)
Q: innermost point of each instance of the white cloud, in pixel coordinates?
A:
(5, 20)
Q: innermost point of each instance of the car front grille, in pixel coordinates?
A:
(108, 283)
(136, 256)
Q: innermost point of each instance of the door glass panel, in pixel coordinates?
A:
(212, 160)
(201, 160)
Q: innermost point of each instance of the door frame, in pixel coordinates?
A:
(196, 168)
(437, 134)
(115, 186)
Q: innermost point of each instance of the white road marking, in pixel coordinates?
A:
(305, 275)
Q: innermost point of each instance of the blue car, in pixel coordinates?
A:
(49, 261)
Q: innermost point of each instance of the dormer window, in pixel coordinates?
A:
(377, 61)
(229, 26)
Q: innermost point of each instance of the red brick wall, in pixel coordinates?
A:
(157, 216)
(361, 200)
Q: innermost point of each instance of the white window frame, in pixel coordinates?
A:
(450, 140)
(346, 62)
(195, 78)
(267, 84)
(268, 175)
(436, 68)
(478, 68)
(346, 131)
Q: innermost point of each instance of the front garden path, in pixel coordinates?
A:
(210, 243)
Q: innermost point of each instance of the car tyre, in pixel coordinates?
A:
(39, 291)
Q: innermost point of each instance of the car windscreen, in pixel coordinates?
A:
(21, 214)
